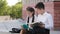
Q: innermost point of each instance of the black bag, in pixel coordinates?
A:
(15, 30)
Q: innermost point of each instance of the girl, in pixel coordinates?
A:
(31, 18)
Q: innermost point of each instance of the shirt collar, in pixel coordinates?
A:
(43, 13)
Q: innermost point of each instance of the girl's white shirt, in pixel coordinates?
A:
(30, 20)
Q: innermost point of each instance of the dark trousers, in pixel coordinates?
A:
(47, 31)
(32, 31)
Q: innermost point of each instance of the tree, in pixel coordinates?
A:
(3, 7)
(16, 10)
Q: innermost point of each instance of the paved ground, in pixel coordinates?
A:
(51, 32)
(14, 23)
(54, 32)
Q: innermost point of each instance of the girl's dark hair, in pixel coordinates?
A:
(30, 9)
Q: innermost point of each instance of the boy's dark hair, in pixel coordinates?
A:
(40, 5)
(30, 9)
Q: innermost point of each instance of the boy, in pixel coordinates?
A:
(44, 17)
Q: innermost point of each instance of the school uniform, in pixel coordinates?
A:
(46, 19)
(30, 20)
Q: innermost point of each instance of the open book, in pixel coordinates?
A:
(38, 24)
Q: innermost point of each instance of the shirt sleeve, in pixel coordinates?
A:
(50, 22)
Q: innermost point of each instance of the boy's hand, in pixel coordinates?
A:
(42, 25)
(31, 25)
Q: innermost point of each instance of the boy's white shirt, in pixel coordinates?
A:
(46, 19)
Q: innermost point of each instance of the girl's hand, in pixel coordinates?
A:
(22, 27)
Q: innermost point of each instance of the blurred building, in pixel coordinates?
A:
(51, 6)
